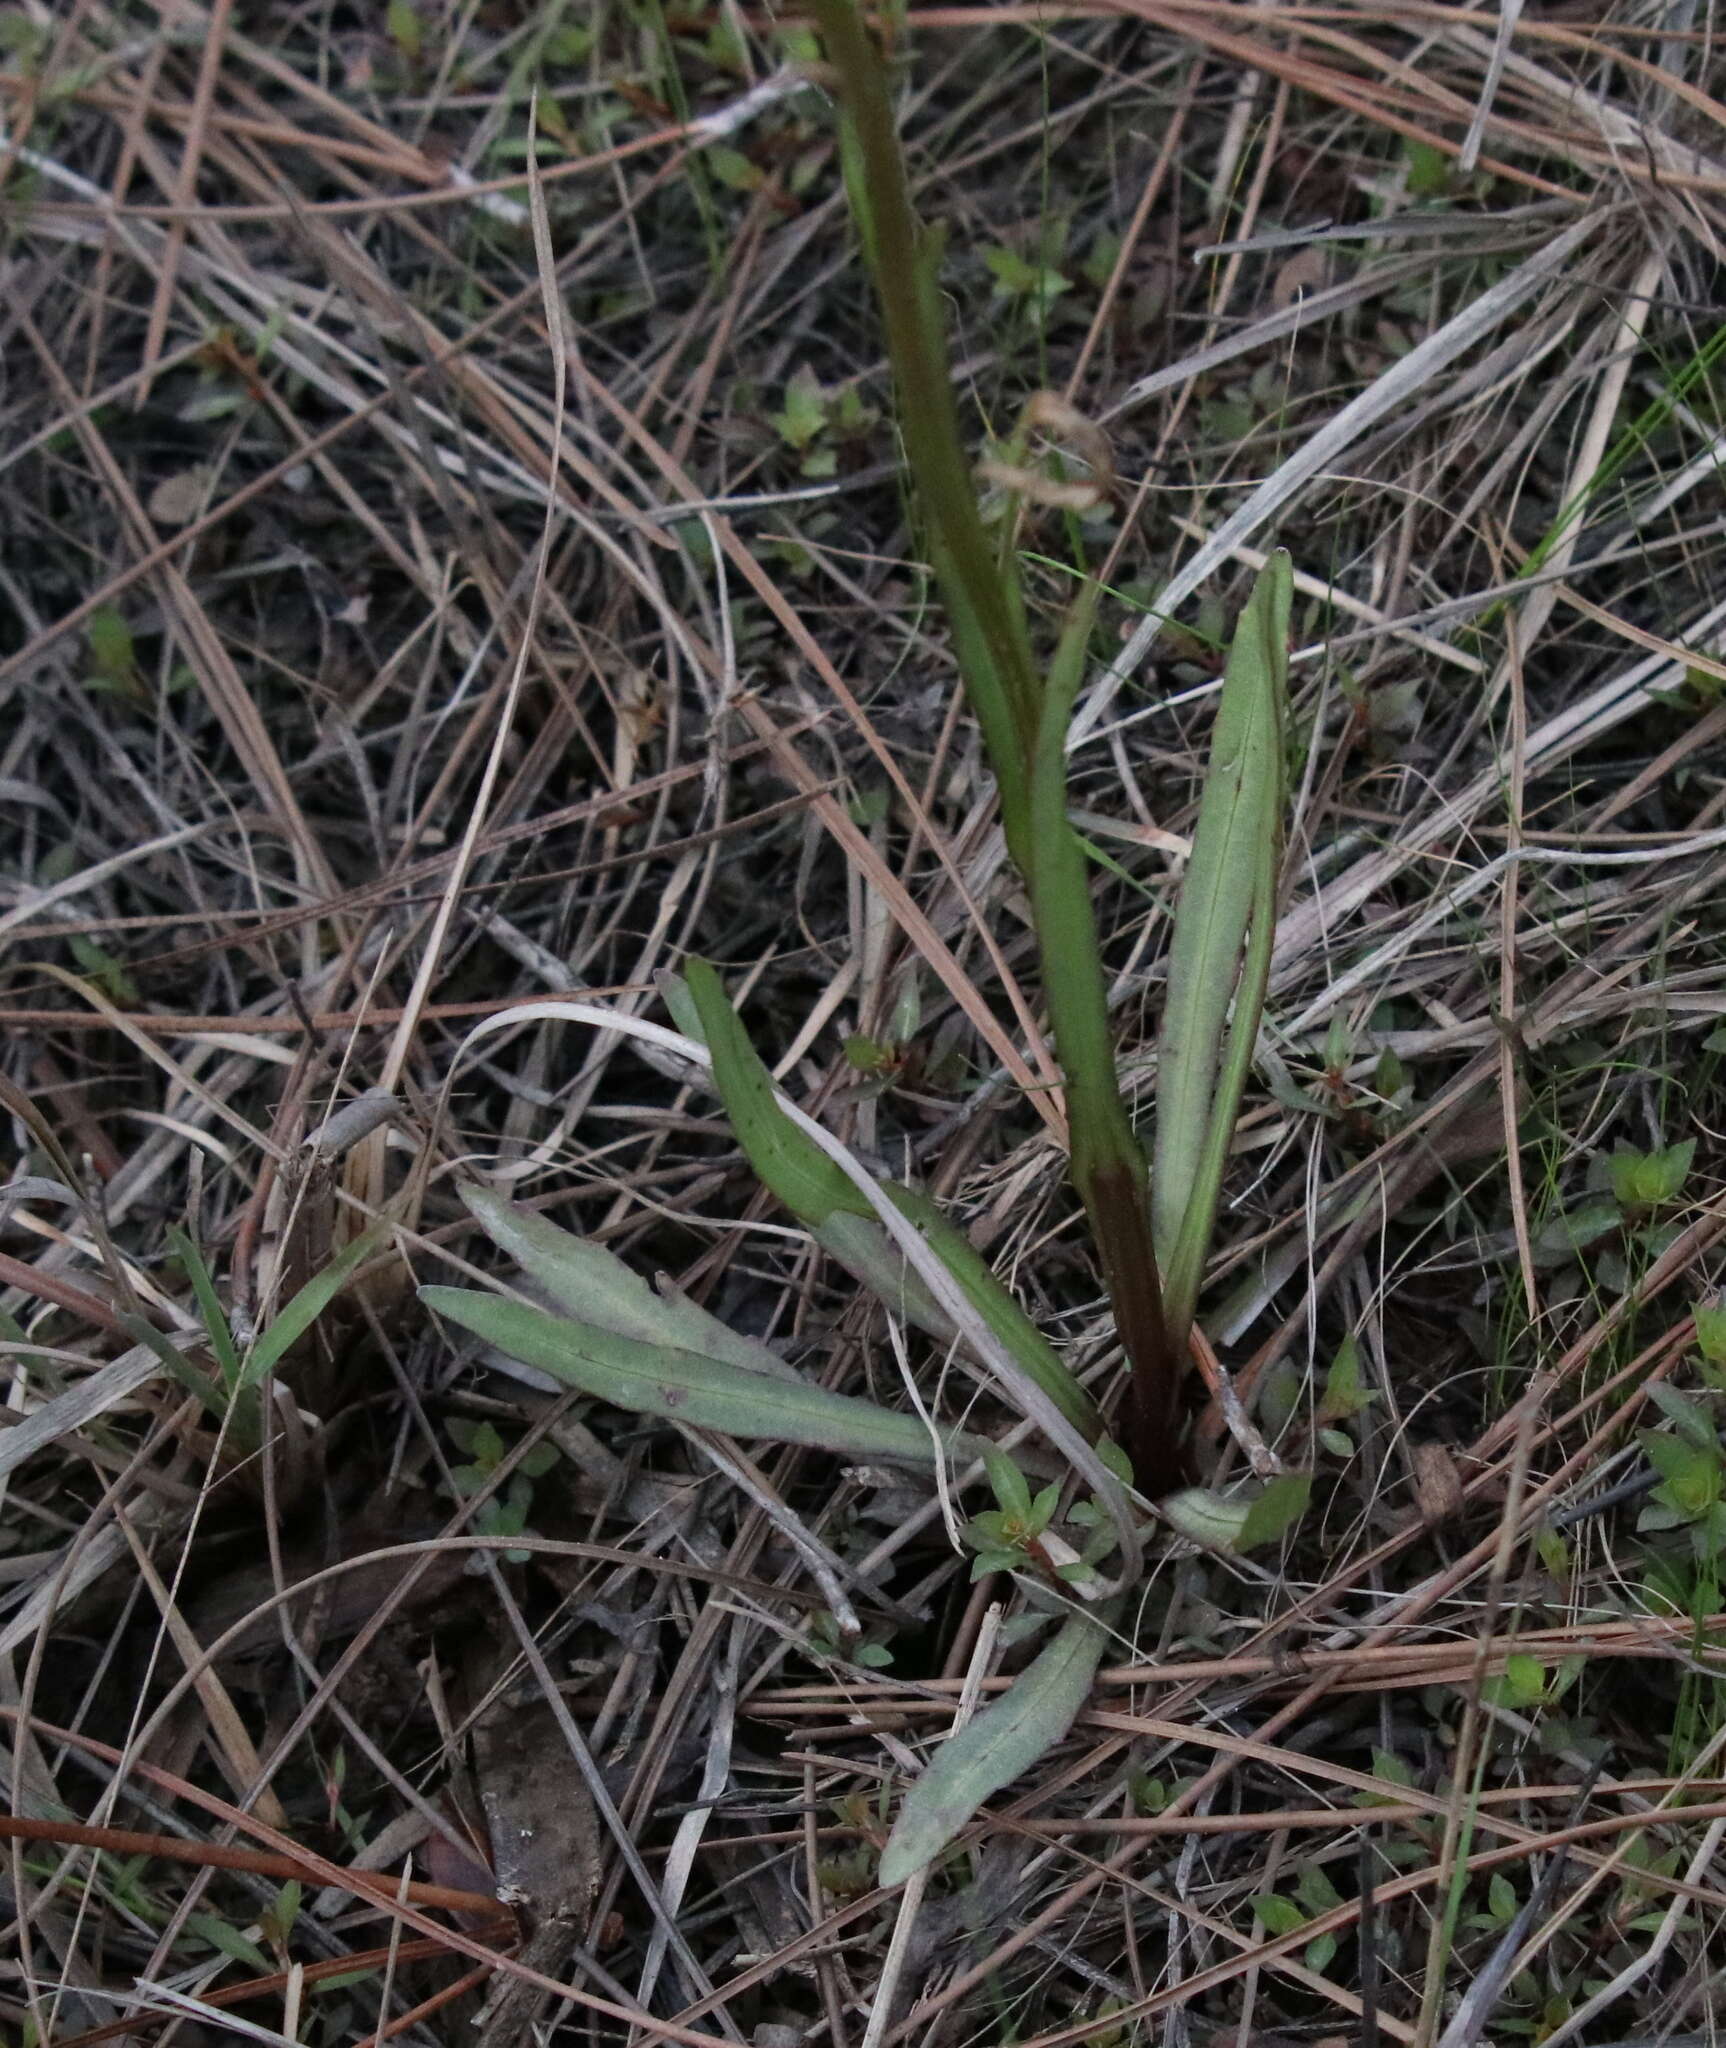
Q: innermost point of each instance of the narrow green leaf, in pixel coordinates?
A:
(1108, 1162)
(1030, 1350)
(587, 1281)
(305, 1308)
(682, 1386)
(1005, 1740)
(1074, 984)
(209, 1305)
(199, 1384)
(861, 1245)
(799, 1173)
(1203, 1060)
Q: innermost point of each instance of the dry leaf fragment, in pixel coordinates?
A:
(178, 500)
(1437, 1484)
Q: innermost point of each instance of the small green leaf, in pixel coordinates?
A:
(1501, 1897)
(1320, 1954)
(1015, 278)
(1649, 1180)
(278, 1917)
(1524, 1679)
(109, 640)
(1711, 1333)
(1011, 1734)
(1116, 1460)
(1690, 1474)
(1149, 1795)
(1344, 1392)
(1316, 1892)
(868, 1055)
(405, 29)
(1276, 1510)
(104, 969)
(1695, 1425)
(568, 44)
(1277, 1915)
(805, 412)
(230, 1941)
(1008, 1484)
(1429, 171)
(737, 173)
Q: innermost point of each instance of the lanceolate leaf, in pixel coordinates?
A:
(1030, 1349)
(822, 1197)
(682, 1386)
(1229, 884)
(591, 1283)
(1004, 1740)
(800, 1174)
(861, 1245)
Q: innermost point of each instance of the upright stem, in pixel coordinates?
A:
(1023, 718)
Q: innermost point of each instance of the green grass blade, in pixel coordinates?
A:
(800, 1174)
(1239, 832)
(1010, 1735)
(209, 1305)
(305, 1308)
(681, 1386)
(587, 1281)
(178, 1366)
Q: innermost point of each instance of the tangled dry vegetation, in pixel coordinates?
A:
(379, 654)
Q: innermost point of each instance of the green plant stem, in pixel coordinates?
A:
(1108, 1161)
(1024, 723)
(905, 261)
